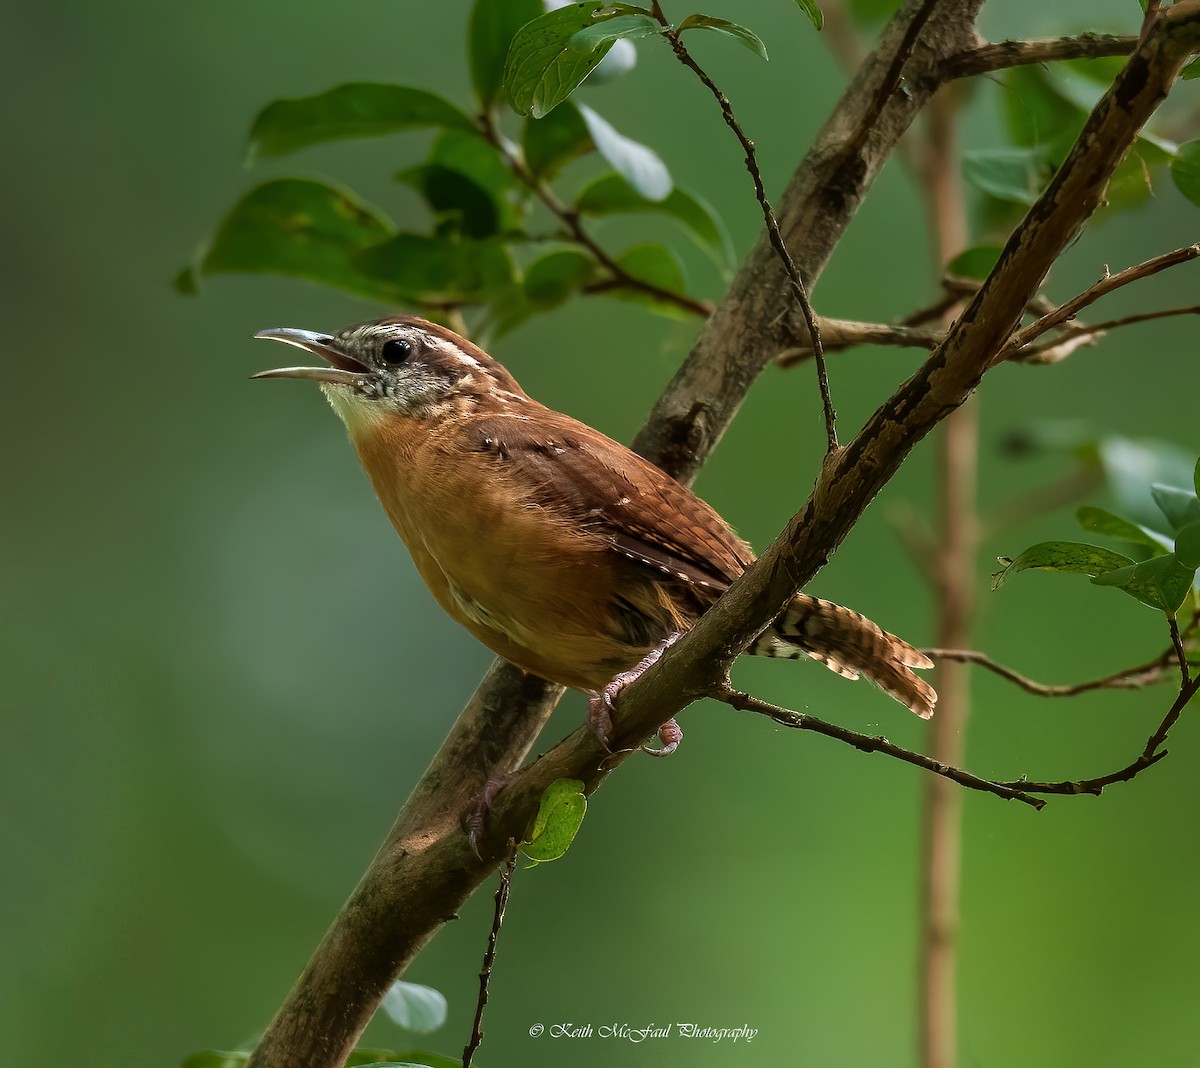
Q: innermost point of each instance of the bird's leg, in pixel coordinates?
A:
(602, 706)
(475, 816)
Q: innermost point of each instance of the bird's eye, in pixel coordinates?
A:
(396, 351)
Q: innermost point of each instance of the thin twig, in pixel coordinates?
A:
(1134, 678)
(1150, 755)
(1107, 284)
(868, 743)
(1180, 652)
(1047, 351)
(570, 218)
(992, 57)
(840, 334)
(777, 242)
(489, 958)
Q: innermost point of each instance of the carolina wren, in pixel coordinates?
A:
(555, 546)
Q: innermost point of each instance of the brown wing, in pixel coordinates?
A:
(592, 480)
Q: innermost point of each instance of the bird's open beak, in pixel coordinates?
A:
(343, 369)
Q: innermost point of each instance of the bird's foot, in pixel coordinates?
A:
(602, 706)
(475, 817)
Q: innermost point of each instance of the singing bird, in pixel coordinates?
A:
(557, 547)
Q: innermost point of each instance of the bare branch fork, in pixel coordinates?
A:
(426, 869)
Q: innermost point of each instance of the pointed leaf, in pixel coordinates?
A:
(559, 815)
(543, 69)
(611, 194)
(358, 109)
(1131, 467)
(1161, 583)
(621, 27)
(731, 29)
(553, 278)
(1192, 70)
(1181, 507)
(493, 25)
(304, 229)
(638, 165)
(1037, 110)
(1100, 521)
(1009, 174)
(438, 269)
(549, 143)
(1073, 556)
(415, 1007)
(809, 7)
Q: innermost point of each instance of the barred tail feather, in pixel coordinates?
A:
(850, 644)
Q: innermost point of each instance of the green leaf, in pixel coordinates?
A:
(551, 142)
(542, 68)
(1132, 466)
(492, 26)
(415, 1007)
(1103, 522)
(358, 109)
(612, 195)
(640, 166)
(559, 815)
(439, 270)
(1180, 506)
(809, 7)
(1010, 174)
(1192, 70)
(553, 278)
(186, 283)
(975, 262)
(1161, 583)
(1073, 556)
(1185, 171)
(1187, 544)
(731, 29)
(304, 229)
(215, 1058)
(659, 267)
(603, 33)
(454, 199)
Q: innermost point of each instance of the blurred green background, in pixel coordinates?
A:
(222, 675)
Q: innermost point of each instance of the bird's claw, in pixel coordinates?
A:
(475, 817)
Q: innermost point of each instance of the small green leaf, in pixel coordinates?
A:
(1073, 556)
(640, 166)
(1191, 71)
(437, 269)
(1100, 521)
(415, 1007)
(731, 29)
(974, 262)
(809, 7)
(1009, 174)
(659, 267)
(553, 278)
(1185, 170)
(490, 31)
(1187, 544)
(1180, 506)
(358, 109)
(543, 69)
(454, 198)
(559, 815)
(551, 142)
(1132, 466)
(1161, 583)
(1037, 111)
(621, 27)
(612, 195)
(304, 229)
